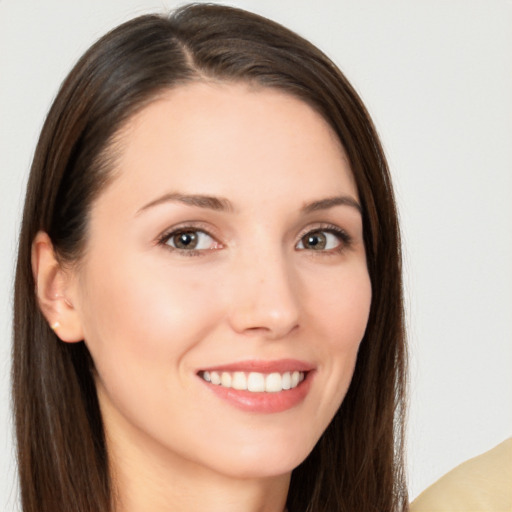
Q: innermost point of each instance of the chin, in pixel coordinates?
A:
(264, 462)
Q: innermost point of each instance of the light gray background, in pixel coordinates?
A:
(437, 78)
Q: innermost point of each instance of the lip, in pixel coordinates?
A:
(263, 402)
(281, 366)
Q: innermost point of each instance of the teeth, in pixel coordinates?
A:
(239, 381)
(225, 380)
(273, 383)
(254, 381)
(286, 380)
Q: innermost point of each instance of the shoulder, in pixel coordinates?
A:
(483, 483)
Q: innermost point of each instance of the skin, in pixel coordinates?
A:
(153, 316)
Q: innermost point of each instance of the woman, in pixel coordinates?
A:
(197, 338)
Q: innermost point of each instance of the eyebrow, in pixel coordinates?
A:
(224, 205)
(330, 202)
(200, 201)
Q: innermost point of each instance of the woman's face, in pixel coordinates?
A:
(229, 248)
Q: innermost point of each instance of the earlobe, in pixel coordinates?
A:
(53, 289)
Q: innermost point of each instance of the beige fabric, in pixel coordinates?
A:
(482, 484)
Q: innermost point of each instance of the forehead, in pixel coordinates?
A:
(231, 138)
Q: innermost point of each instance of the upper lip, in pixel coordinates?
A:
(260, 366)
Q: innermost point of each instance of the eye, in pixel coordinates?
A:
(190, 240)
(323, 240)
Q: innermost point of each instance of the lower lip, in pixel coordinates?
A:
(263, 402)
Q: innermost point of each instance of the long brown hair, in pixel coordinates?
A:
(357, 465)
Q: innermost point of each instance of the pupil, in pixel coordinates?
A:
(186, 240)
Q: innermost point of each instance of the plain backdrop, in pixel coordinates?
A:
(437, 78)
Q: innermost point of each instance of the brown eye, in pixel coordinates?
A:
(321, 240)
(185, 240)
(315, 241)
(191, 240)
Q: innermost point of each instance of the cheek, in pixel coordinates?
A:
(342, 305)
(145, 315)
(139, 330)
(341, 315)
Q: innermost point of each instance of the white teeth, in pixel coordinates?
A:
(239, 381)
(254, 381)
(225, 379)
(273, 383)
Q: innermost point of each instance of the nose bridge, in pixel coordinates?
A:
(264, 297)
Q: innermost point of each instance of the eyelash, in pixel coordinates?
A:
(342, 235)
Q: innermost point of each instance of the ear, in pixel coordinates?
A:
(53, 284)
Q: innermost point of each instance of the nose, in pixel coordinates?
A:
(264, 297)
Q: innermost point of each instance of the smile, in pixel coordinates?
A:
(258, 386)
(254, 382)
